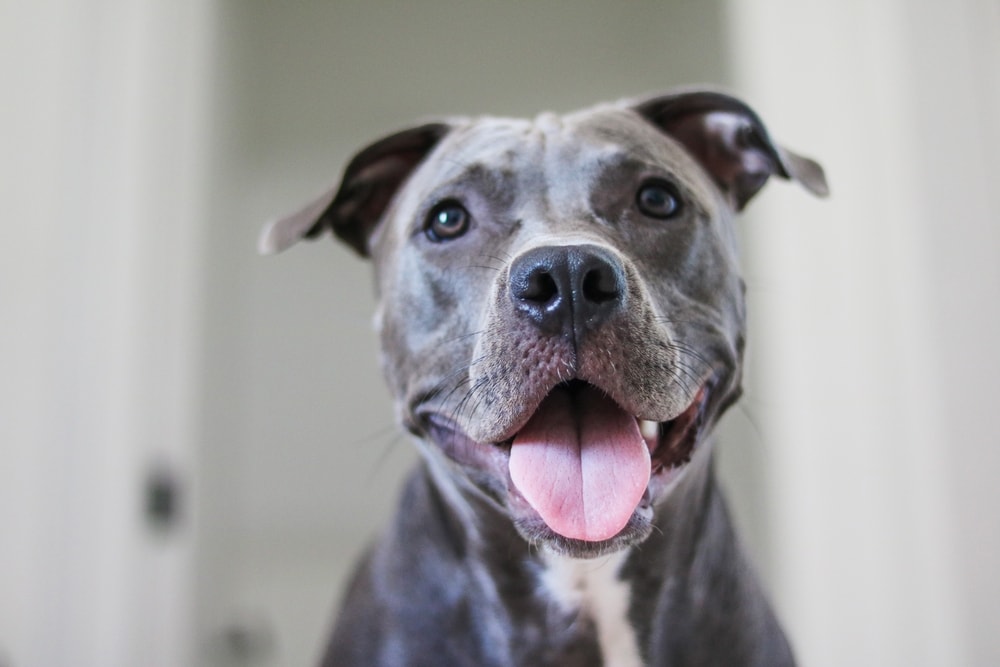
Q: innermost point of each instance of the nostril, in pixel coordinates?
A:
(567, 289)
(601, 285)
(540, 287)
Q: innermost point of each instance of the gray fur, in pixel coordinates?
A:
(458, 578)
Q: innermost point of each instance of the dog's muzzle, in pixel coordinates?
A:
(593, 434)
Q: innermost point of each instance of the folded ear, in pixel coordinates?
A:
(353, 208)
(730, 142)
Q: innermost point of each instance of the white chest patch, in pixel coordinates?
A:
(593, 588)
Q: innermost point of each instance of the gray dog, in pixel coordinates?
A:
(562, 322)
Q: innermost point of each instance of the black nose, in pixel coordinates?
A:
(567, 289)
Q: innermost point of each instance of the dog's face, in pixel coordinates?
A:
(547, 410)
(561, 310)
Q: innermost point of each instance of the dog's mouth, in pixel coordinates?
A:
(583, 472)
(584, 464)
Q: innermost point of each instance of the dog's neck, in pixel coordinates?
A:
(589, 611)
(454, 579)
(595, 589)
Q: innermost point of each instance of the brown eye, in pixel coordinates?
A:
(658, 199)
(447, 220)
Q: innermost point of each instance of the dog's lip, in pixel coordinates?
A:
(672, 442)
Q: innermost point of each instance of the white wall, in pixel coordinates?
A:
(102, 118)
(876, 317)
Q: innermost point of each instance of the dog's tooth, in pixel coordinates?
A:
(650, 430)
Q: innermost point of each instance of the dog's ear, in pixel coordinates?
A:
(730, 142)
(352, 208)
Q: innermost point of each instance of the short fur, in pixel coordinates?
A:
(464, 574)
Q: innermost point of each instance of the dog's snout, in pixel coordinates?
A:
(567, 289)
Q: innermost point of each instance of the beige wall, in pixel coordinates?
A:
(103, 159)
(877, 316)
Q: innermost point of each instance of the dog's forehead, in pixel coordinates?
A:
(600, 134)
(561, 153)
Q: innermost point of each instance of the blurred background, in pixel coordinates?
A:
(195, 443)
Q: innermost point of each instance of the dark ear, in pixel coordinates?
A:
(730, 142)
(353, 208)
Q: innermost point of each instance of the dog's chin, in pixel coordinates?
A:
(671, 446)
(535, 531)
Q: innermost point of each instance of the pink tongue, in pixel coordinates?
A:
(582, 464)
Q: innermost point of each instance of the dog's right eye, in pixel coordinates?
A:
(659, 199)
(446, 221)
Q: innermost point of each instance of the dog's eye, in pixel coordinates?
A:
(447, 220)
(658, 199)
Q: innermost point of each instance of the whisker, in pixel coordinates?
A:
(389, 448)
(463, 336)
(466, 403)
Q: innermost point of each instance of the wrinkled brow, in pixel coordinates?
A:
(496, 184)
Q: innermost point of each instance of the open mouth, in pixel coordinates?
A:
(582, 474)
(585, 465)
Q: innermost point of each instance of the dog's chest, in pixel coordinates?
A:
(592, 589)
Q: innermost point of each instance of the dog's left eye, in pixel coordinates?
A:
(658, 199)
(447, 220)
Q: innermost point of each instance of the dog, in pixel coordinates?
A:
(562, 322)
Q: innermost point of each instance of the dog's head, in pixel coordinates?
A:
(561, 308)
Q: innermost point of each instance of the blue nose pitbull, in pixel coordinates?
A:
(561, 316)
